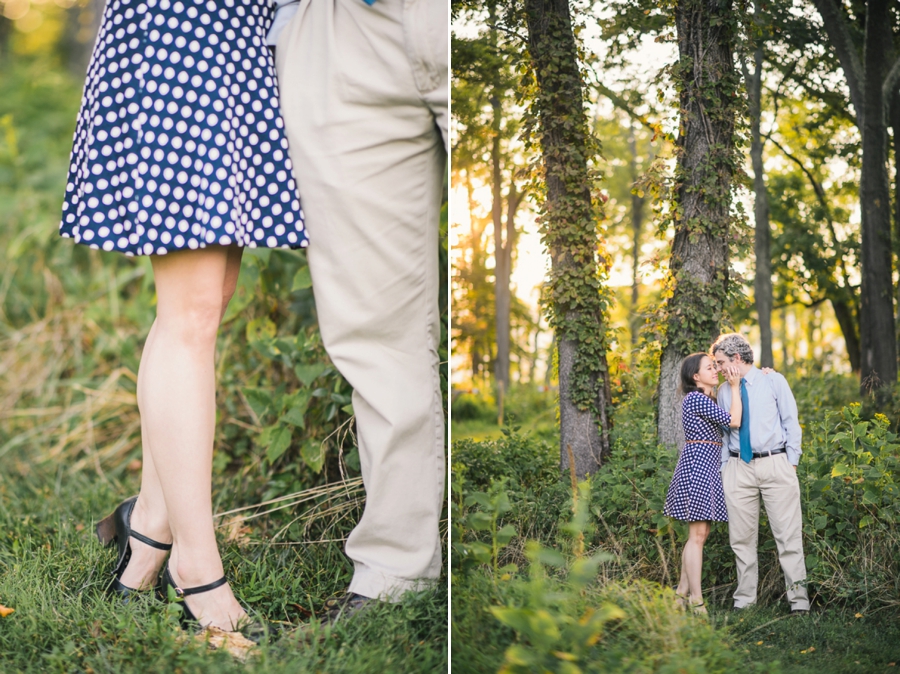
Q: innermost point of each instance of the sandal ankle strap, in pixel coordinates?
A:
(149, 541)
(184, 592)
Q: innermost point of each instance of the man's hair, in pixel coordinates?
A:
(733, 344)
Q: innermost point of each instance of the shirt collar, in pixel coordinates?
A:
(751, 375)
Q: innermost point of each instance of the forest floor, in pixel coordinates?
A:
(53, 572)
(850, 631)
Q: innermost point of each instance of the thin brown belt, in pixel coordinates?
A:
(703, 442)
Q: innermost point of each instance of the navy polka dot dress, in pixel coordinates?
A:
(180, 143)
(696, 493)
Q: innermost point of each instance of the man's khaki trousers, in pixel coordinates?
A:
(364, 94)
(774, 479)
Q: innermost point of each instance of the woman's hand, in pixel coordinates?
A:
(768, 370)
(732, 376)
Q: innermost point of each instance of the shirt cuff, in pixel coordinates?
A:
(283, 17)
(793, 456)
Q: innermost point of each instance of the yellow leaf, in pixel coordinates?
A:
(5, 611)
(759, 643)
(858, 615)
(811, 649)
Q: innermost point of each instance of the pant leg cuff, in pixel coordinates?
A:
(370, 583)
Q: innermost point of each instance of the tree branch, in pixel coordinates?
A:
(624, 106)
(891, 79)
(839, 35)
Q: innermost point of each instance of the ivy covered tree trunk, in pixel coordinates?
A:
(569, 229)
(706, 163)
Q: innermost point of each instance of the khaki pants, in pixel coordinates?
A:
(364, 94)
(775, 480)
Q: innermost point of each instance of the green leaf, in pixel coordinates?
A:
(302, 279)
(347, 409)
(310, 372)
(259, 400)
(296, 405)
(812, 561)
(281, 440)
(260, 329)
(313, 454)
(839, 469)
(480, 521)
(550, 557)
(506, 534)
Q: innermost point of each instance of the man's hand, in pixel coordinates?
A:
(795, 469)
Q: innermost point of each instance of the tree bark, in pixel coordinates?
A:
(637, 225)
(502, 261)
(570, 233)
(762, 284)
(878, 341)
(894, 111)
(698, 268)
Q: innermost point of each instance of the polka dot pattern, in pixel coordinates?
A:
(180, 142)
(696, 493)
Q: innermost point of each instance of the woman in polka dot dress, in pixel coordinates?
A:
(695, 494)
(180, 154)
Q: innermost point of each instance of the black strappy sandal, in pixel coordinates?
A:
(116, 528)
(254, 630)
(188, 619)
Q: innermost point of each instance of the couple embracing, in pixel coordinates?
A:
(721, 477)
(193, 143)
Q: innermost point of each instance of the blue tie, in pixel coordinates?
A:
(369, 2)
(744, 431)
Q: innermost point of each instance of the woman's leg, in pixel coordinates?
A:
(692, 559)
(178, 415)
(150, 516)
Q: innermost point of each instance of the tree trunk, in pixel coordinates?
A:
(762, 284)
(570, 233)
(894, 111)
(879, 347)
(6, 27)
(843, 312)
(698, 268)
(637, 224)
(502, 262)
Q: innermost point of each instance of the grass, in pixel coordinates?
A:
(827, 641)
(53, 572)
(656, 637)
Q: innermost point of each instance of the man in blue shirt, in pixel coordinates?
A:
(759, 460)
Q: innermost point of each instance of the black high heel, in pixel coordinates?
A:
(254, 630)
(188, 619)
(116, 528)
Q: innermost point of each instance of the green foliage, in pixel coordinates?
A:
(525, 463)
(470, 407)
(492, 505)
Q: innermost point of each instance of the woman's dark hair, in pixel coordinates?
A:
(689, 367)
